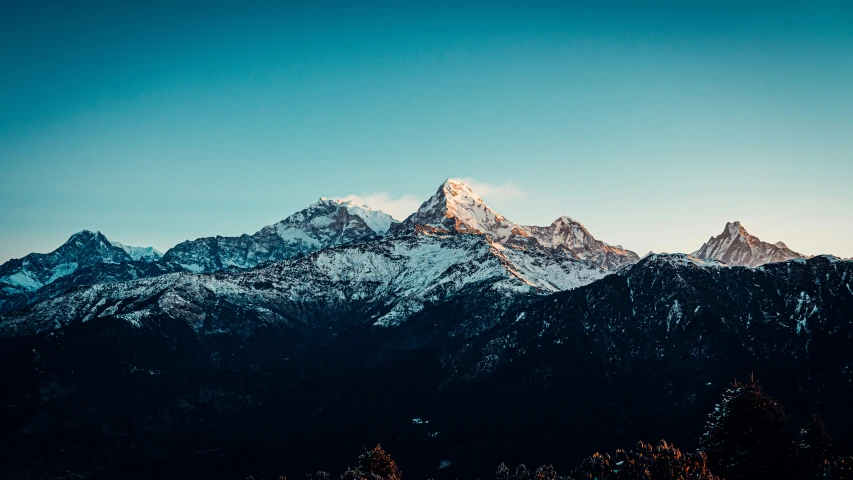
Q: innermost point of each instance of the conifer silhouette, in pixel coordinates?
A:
(815, 442)
(377, 462)
(747, 435)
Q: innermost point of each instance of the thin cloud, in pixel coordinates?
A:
(399, 208)
(402, 207)
(490, 191)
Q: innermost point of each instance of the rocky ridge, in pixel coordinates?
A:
(735, 246)
(21, 277)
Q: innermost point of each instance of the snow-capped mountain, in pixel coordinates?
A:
(145, 254)
(324, 224)
(20, 277)
(633, 354)
(477, 317)
(562, 260)
(456, 208)
(735, 246)
(383, 282)
(569, 235)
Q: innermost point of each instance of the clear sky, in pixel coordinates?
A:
(653, 123)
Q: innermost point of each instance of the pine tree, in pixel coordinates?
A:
(647, 462)
(377, 462)
(815, 442)
(839, 469)
(748, 436)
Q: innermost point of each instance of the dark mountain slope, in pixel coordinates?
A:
(222, 391)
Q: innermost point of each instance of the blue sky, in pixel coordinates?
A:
(653, 123)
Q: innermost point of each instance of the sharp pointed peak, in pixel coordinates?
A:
(456, 208)
(736, 246)
(454, 182)
(736, 228)
(455, 187)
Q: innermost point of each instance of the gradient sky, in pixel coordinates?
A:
(651, 123)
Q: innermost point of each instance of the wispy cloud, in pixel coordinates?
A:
(491, 192)
(399, 208)
(403, 206)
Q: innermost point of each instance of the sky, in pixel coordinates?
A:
(653, 123)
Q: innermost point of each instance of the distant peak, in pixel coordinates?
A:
(736, 246)
(85, 236)
(325, 209)
(454, 183)
(139, 253)
(735, 228)
(455, 187)
(456, 208)
(565, 220)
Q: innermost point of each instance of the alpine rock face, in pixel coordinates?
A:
(145, 254)
(420, 263)
(456, 208)
(326, 223)
(381, 283)
(735, 246)
(454, 242)
(21, 277)
(570, 236)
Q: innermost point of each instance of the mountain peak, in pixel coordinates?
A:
(84, 235)
(85, 240)
(568, 234)
(735, 228)
(147, 254)
(32, 272)
(326, 223)
(455, 208)
(736, 246)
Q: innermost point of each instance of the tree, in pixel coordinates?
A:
(663, 462)
(747, 436)
(839, 469)
(815, 442)
(377, 462)
(545, 472)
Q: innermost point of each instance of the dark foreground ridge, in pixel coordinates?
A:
(748, 436)
(221, 391)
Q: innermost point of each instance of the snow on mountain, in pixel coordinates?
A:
(680, 260)
(735, 246)
(376, 220)
(146, 254)
(382, 282)
(456, 208)
(324, 224)
(570, 235)
(20, 277)
(334, 261)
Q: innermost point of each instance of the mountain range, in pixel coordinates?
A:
(88, 257)
(456, 335)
